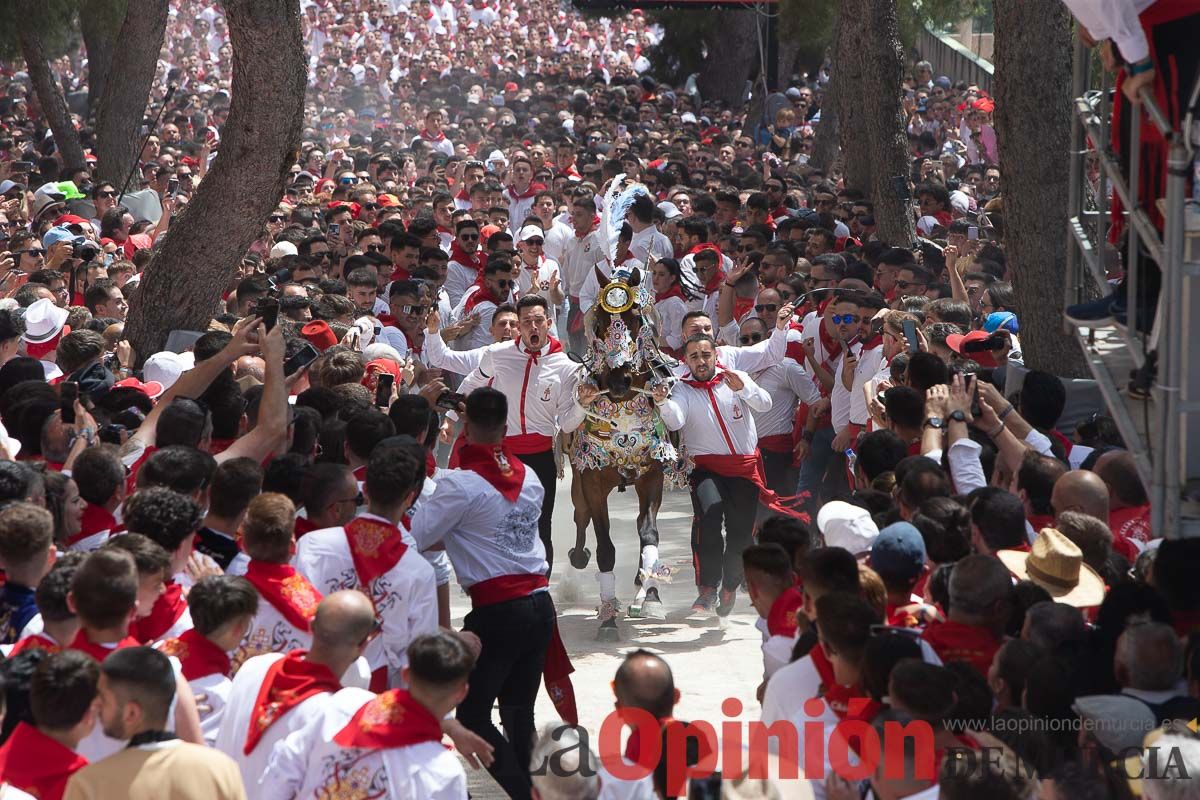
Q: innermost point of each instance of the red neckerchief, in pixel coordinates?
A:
(167, 610)
(483, 293)
(741, 307)
(781, 619)
(82, 643)
(415, 348)
(289, 682)
(387, 320)
(1063, 440)
(197, 655)
(462, 194)
(1039, 521)
(392, 719)
(836, 696)
(902, 616)
(430, 465)
(956, 641)
(714, 282)
(288, 592)
(595, 223)
(675, 291)
(38, 641)
(533, 189)
(627, 257)
(861, 708)
(872, 343)
(716, 380)
(424, 134)
(303, 526)
(555, 347)
(497, 465)
(375, 547)
(400, 274)
(33, 762)
(475, 260)
(96, 519)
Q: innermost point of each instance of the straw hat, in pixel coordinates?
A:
(1055, 563)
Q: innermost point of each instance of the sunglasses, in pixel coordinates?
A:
(469, 237)
(845, 319)
(752, 338)
(347, 181)
(534, 242)
(418, 310)
(277, 218)
(33, 251)
(109, 193)
(766, 308)
(371, 206)
(907, 284)
(375, 248)
(504, 283)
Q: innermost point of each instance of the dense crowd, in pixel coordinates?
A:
(227, 564)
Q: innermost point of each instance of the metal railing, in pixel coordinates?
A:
(1168, 454)
(949, 57)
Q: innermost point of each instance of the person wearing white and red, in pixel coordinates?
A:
(287, 600)
(494, 288)
(537, 274)
(100, 476)
(464, 362)
(222, 607)
(788, 384)
(745, 358)
(545, 208)
(486, 514)
(170, 520)
(104, 593)
(671, 301)
(466, 260)
(711, 407)
(519, 195)
(859, 364)
(541, 381)
(597, 278)
(580, 254)
(648, 241)
(390, 744)
(770, 582)
(404, 327)
(433, 135)
(277, 693)
(370, 554)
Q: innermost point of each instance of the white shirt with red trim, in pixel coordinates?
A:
(405, 596)
(485, 535)
(717, 421)
(578, 255)
(540, 392)
(849, 406)
(541, 275)
(269, 632)
(459, 278)
(461, 362)
(308, 764)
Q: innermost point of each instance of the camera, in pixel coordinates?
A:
(85, 251)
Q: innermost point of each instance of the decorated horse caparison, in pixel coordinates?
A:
(622, 442)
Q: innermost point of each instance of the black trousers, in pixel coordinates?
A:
(781, 475)
(515, 635)
(544, 467)
(717, 501)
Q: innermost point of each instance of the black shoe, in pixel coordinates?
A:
(1094, 314)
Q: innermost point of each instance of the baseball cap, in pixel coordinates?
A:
(530, 232)
(1120, 722)
(1001, 319)
(899, 552)
(942, 82)
(60, 234)
(8, 186)
(164, 368)
(151, 389)
(669, 209)
(983, 358)
(282, 249)
(847, 526)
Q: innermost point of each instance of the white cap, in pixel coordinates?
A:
(669, 209)
(530, 232)
(165, 367)
(282, 249)
(687, 116)
(366, 330)
(926, 224)
(847, 526)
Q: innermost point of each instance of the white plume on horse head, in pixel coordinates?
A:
(617, 202)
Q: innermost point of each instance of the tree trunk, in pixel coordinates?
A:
(732, 55)
(99, 22)
(825, 141)
(122, 107)
(1032, 87)
(49, 94)
(789, 51)
(181, 286)
(869, 61)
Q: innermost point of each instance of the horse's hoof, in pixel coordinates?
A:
(579, 557)
(652, 606)
(608, 632)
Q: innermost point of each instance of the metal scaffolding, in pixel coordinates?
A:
(1163, 431)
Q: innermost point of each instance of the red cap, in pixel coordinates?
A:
(983, 358)
(319, 335)
(151, 389)
(510, 87)
(388, 200)
(355, 208)
(984, 104)
(70, 219)
(373, 368)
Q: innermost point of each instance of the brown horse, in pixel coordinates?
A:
(622, 442)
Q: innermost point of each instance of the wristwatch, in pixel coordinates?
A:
(935, 422)
(958, 416)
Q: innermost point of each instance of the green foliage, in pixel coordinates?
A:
(57, 23)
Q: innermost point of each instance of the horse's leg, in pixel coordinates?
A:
(579, 555)
(596, 491)
(650, 567)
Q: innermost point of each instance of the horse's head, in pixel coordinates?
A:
(623, 352)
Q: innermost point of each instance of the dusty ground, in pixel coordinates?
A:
(710, 663)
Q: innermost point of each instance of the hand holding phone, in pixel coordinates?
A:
(383, 389)
(910, 334)
(268, 310)
(68, 394)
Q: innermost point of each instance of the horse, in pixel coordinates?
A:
(621, 442)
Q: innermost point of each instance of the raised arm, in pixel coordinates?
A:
(270, 434)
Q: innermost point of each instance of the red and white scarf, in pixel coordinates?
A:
(375, 547)
(197, 655)
(288, 592)
(289, 682)
(167, 610)
(393, 719)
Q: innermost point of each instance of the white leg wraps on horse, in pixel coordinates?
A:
(608, 585)
(649, 559)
